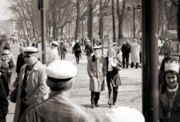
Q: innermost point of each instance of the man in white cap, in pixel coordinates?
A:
(53, 54)
(32, 87)
(124, 114)
(58, 107)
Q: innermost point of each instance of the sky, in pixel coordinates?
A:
(5, 14)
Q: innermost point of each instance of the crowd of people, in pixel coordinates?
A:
(42, 92)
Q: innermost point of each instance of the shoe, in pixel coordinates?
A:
(110, 106)
(96, 105)
(92, 105)
(113, 103)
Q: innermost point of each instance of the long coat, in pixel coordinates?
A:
(135, 50)
(52, 55)
(164, 104)
(36, 89)
(58, 108)
(95, 72)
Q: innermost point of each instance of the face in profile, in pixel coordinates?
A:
(29, 59)
(171, 79)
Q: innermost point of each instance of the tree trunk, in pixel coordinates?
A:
(77, 20)
(101, 24)
(113, 22)
(178, 20)
(90, 19)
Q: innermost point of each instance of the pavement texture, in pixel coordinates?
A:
(129, 93)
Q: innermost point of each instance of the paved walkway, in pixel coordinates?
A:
(130, 92)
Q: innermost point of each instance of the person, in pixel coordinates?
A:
(32, 87)
(62, 50)
(111, 67)
(96, 75)
(7, 62)
(53, 54)
(59, 107)
(20, 61)
(77, 51)
(126, 49)
(135, 49)
(124, 114)
(169, 93)
(3, 102)
(88, 49)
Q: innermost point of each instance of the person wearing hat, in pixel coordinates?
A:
(53, 54)
(77, 51)
(59, 107)
(124, 114)
(169, 93)
(32, 87)
(96, 75)
(7, 62)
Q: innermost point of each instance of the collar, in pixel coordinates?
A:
(172, 90)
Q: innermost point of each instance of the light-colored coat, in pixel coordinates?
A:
(52, 55)
(135, 49)
(36, 88)
(95, 72)
(58, 108)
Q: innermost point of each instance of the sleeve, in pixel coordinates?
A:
(89, 68)
(29, 116)
(42, 91)
(3, 102)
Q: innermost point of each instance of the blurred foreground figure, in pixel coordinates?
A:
(58, 107)
(124, 114)
(169, 93)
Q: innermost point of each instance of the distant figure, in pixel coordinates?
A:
(124, 114)
(62, 50)
(59, 107)
(77, 51)
(126, 50)
(53, 54)
(135, 50)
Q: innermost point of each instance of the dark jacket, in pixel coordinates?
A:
(126, 49)
(77, 49)
(20, 63)
(88, 50)
(3, 102)
(164, 106)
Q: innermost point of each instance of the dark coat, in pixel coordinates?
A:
(126, 49)
(77, 49)
(20, 63)
(164, 106)
(3, 103)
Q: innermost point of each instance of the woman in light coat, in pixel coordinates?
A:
(95, 72)
(135, 49)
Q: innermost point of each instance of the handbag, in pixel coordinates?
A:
(13, 94)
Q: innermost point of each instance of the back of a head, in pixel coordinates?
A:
(124, 114)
